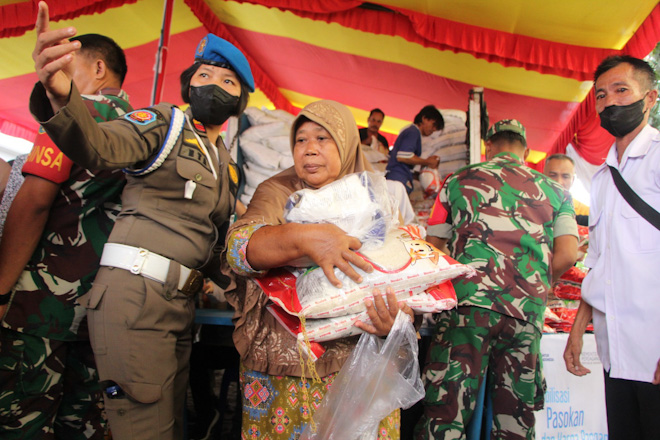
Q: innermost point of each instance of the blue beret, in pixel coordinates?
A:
(218, 52)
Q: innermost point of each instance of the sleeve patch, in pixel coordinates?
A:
(141, 117)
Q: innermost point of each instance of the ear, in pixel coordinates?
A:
(652, 97)
(100, 69)
(525, 154)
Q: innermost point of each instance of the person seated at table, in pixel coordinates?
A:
(326, 147)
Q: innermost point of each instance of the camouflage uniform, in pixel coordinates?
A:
(502, 218)
(48, 375)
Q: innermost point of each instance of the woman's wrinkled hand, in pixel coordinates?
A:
(382, 315)
(329, 247)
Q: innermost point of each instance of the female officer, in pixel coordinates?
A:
(181, 186)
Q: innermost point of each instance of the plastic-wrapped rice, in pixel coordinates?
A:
(442, 297)
(359, 204)
(452, 152)
(259, 117)
(282, 115)
(254, 176)
(260, 154)
(258, 133)
(281, 144)
(449, 167)
(409, 266)
(286, 162)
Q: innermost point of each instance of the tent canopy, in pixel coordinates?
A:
(535, 60)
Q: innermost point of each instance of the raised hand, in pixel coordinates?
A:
(52, 54)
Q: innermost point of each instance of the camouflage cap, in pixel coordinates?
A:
(506, 125)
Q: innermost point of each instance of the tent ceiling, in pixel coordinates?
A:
(533, 59)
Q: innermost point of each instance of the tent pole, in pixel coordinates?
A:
(161, 53)
(474, 115)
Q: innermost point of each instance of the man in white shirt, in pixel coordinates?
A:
(561, 169)
(621, 291)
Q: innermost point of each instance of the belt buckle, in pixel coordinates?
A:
(193, 284)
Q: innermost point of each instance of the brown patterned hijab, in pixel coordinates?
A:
(267, 204)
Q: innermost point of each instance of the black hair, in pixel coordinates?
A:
(559, 156)
(644, 73)
(509, 137)
(432, 113)
(186, 77)
(377, 110)
(105, 48)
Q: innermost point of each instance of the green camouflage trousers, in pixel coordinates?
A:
(48, 389)
(469, 342)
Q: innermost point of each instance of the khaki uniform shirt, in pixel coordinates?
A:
(155, 214)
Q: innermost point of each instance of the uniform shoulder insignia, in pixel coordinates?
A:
(199, 126)
(141, 117)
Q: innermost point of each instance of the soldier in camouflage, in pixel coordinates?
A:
(517, 228)
(49, 256)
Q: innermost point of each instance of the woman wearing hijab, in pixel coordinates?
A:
(326, 146)
(181, 187)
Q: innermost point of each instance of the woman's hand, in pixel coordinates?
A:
(329, 247)
(383, 315)
(295, 244)
(52, 54)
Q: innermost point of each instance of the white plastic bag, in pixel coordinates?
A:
(377, 378)
(359, 204)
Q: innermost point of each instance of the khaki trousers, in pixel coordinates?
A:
(140, 331)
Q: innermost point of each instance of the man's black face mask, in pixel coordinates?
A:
(619, 120)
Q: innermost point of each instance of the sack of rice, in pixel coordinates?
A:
(258, 133)
(360, 204)
(410, 266)
(437, 299)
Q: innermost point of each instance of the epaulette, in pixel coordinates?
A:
(173, 133)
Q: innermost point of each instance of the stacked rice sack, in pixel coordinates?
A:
(266, 147)
(566, 294)
(359, 204)
(449, 144)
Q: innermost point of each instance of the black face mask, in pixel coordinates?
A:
(211, 104)
(619, 120)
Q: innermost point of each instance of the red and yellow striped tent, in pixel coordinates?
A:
(534, 59)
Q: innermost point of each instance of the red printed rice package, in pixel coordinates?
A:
(409, 265)
(566, 310)
(436, 299)
(566, 290)
(574, 275)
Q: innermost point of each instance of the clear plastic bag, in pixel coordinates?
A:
(377, 378)
(358, 203)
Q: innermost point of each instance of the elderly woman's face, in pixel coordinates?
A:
(315, 155)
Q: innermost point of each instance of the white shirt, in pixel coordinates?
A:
(401, 200)
(623, 285)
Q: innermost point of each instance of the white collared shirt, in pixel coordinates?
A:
(623, 285)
